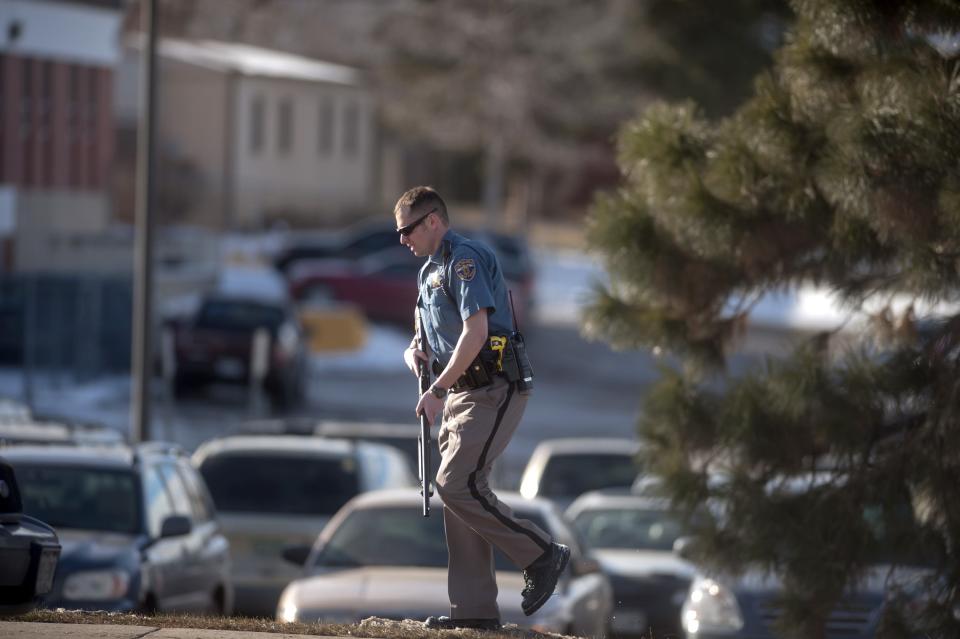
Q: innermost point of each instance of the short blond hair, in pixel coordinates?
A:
(421, 199)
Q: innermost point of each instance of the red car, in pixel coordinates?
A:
(216, 345)
(382, 285)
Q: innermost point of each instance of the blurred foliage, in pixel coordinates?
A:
(839, 170)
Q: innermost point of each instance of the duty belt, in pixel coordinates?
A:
(485, 367)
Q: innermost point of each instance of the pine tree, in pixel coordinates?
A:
(841, 170)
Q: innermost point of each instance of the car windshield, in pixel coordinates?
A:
(632, 528)
(281, 484)
(577, 474)
(82, 498)
(399, 537)
(238, 316)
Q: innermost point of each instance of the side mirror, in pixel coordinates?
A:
(175, 526)
(296, 555)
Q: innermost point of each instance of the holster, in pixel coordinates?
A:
(505, 360)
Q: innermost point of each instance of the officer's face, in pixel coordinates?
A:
(417, 232)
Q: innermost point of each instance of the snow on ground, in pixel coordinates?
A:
(381, 353)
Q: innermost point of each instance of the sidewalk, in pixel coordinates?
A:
(26, 630)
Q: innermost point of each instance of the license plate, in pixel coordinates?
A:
(48, 566)
(229, 368)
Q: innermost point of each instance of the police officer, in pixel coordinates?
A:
(463, 302)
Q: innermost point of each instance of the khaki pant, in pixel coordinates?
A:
(477, 426)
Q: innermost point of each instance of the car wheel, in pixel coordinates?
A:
(219, 605)
(149, 605)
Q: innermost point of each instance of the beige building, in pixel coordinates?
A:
(258, 135)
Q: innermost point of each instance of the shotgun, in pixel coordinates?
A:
(423, 442)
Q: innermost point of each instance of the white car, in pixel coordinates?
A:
(280, 490)
(380, 557)
(563, 469)
(633, 538)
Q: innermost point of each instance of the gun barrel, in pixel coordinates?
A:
(423, 443)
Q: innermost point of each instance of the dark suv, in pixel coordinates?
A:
(137, 526)
(28, 550)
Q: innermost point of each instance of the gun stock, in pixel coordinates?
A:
(423, 442)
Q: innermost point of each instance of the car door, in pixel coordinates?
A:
(193, 594)
(213, 560)
(162, 557)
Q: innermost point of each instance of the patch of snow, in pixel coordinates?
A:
(382, 352)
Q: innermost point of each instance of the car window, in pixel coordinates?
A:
(633, 528)
(239, 316)
(157, 500)
(281, 484)
(577, 474)
(178, 491)
(383, 468)
(83, 498)
(399, 537)
(197, 492)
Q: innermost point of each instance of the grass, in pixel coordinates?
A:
(371, 628)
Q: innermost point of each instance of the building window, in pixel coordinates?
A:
(26, 121)
(351, 129)
(45, 131)
(26, 93)
(325, 126)
(74, 127)
(3, 119)
(256, 124)
(93, 140)
(285, 127)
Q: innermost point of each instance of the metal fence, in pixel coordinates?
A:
(79, 326)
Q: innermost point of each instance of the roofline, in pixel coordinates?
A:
(250, 61)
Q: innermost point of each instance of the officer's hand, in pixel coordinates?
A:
(429, 405)
(410, 357)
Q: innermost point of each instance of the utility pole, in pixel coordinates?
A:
(142, 347)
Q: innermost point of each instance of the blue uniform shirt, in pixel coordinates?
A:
(470, 273)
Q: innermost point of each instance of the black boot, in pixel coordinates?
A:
(541, 577)
(446, 623)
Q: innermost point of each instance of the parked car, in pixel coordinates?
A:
(138, 528)
(349, 244)
(746, 605)
(275, 490)
(633, 539)
(29, 549)
(216, 344)
(377, 274)
(383, 285)
(37, 432)
(379, 556)
(565, 468)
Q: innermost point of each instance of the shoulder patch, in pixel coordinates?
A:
(465, 269)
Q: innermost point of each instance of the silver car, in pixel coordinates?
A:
(380, 557)
(633, 537)
(274, 491)
(562, 469)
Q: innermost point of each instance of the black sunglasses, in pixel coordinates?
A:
(410, 228)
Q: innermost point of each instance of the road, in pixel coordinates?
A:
(581, 389)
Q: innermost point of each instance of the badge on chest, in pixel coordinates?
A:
(435, 279)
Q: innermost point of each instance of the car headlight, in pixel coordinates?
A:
(96, 585)
(710, 607)
(288, 612)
